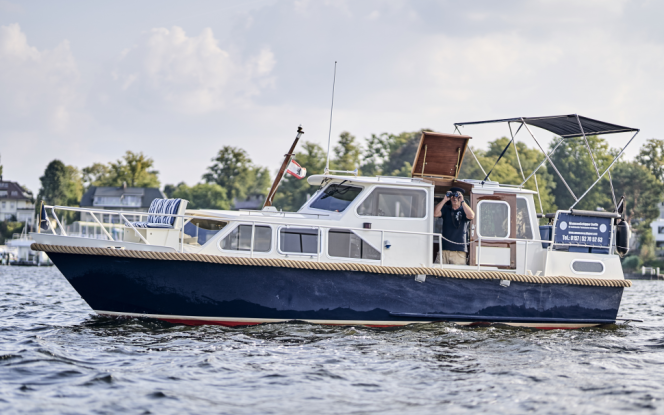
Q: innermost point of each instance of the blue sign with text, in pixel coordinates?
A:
(582, 230)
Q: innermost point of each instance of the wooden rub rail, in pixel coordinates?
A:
(327, 266)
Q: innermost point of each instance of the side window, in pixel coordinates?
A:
(524, 229)
(199, 231)
(240, 239)
(494, 218)
(346, 244)
(298, 240)
(394, 203)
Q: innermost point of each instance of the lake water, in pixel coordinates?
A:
(57, 357)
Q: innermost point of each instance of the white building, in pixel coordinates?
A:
(133, 199)
(657, 227)
(15, 203)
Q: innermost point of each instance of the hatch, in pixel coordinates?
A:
(440, 155)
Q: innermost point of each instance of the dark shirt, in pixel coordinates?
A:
(454, 228)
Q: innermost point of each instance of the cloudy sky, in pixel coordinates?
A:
(85, 81)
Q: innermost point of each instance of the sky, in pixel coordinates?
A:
(85, 81)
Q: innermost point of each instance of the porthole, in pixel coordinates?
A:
(587, 267)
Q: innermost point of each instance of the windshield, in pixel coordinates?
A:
(336, 197)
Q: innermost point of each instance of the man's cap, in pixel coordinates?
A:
(458, 189)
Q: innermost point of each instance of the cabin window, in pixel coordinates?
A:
(346, 244)
(298, 240)
(494, 219)
(240, 239)
(524, 229)
(394, 203)
(336, 197)
(199, 231)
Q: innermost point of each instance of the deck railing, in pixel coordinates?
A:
(251, 217)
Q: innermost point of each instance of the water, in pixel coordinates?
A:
(57, 357)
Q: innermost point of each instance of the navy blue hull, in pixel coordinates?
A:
(237, 294)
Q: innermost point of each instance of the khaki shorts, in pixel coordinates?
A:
(452, 257)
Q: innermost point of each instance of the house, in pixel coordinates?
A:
(657, 227)
(119, 199)
(15, 203)
(123, 198)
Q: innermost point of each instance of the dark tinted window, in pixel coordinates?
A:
(336, 197)
(346, 244)
(298, 240)
(240, 239)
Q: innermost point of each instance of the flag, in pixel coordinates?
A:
(296, 170)
(44, 223)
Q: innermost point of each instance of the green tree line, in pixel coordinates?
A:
(232, 176)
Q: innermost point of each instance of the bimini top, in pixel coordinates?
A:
(565, 126)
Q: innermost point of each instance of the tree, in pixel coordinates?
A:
(95, 174)
(575, 164)
(643, 193)
(651, 155)
(61, 185)
(135, 169)
(294, 192)
(234, 171)
(387, 154)
(201, 196)
(347, 153)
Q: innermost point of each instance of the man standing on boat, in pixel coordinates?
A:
(456, 216)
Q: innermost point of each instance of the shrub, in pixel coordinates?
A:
(632, 262)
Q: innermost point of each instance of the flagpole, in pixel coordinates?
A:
(329, 134)
(282, 170)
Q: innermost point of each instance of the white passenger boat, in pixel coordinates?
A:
(360, 251)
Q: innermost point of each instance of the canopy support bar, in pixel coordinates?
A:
(543, 161)
(471, 152)
(552, 164)
(607, 169)
(502, 154)
(592, 157)
(518, 159)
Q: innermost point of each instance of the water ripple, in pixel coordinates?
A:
(58, 357)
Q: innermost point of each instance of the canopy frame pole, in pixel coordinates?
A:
(607, 169)
(486, 177)
(471, 151)
(539, 197)
(592, 157)
(543, 161)
(523, 176)
(552, 164)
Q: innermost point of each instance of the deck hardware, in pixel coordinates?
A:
(420, 278)
(366, 225)
(388, 244)
(504, 283)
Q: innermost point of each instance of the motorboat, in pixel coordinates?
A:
(361, 251)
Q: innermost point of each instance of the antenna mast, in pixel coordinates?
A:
(329, 134)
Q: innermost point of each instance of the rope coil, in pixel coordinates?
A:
(328, 266)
